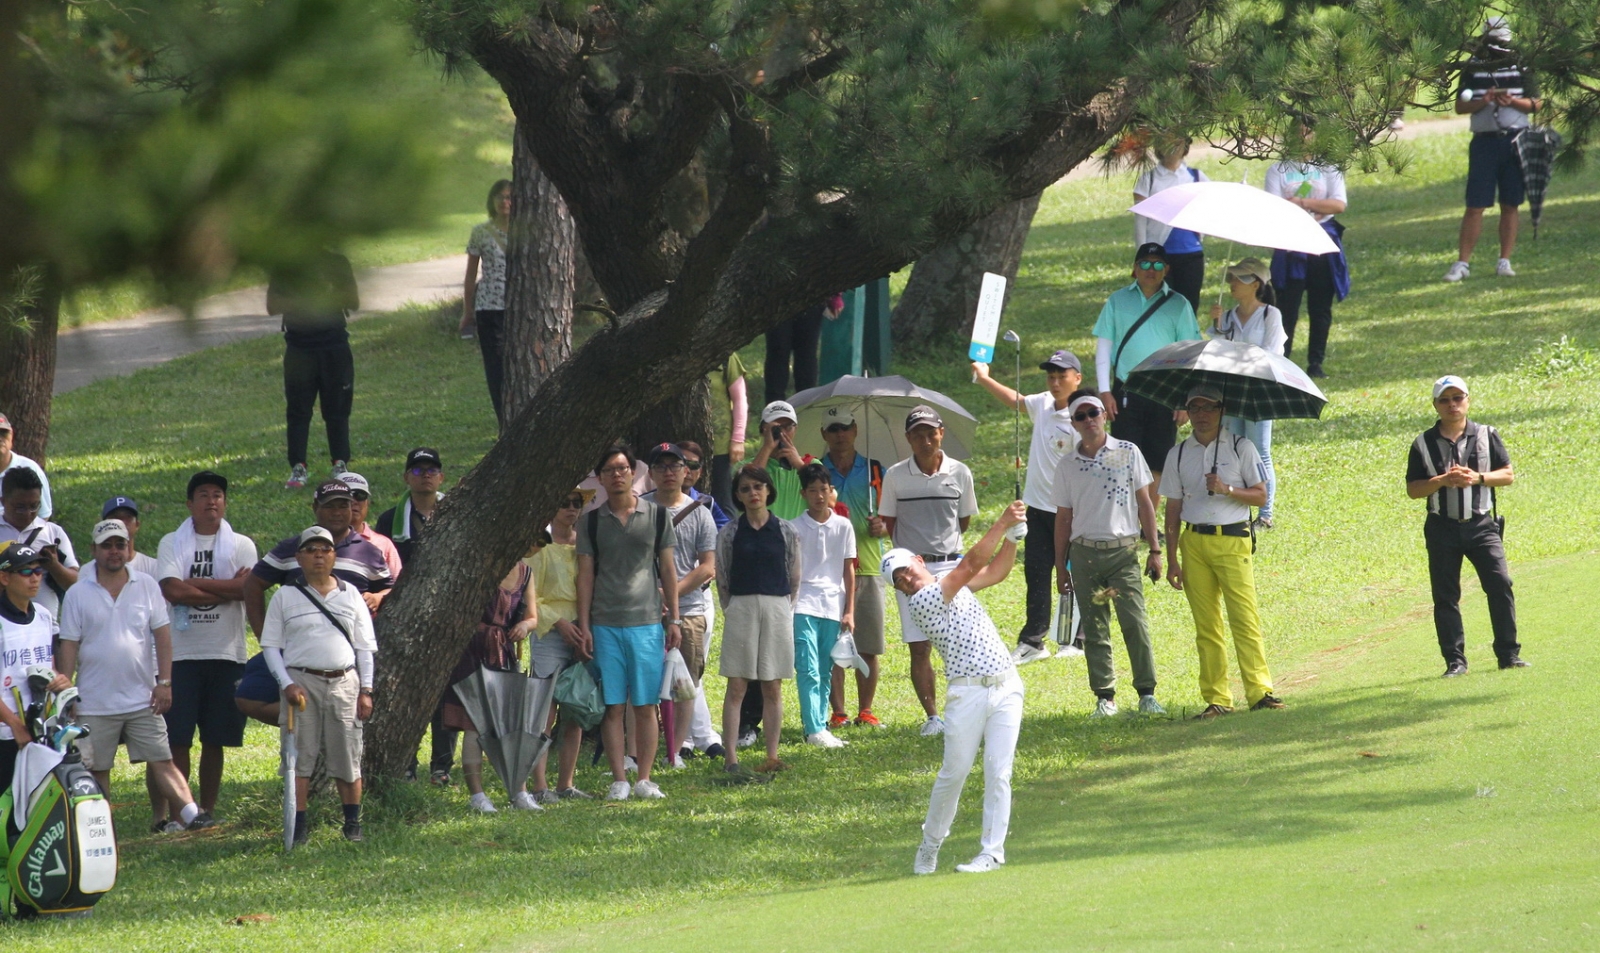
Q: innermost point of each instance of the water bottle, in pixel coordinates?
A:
(180, 618)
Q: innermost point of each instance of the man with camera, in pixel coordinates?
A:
(1456, 464)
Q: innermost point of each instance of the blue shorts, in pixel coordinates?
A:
(631, 660)
(1493, 164)
(257, 683)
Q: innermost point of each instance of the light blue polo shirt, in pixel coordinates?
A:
(1174, 322)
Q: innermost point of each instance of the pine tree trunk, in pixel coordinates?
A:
(942, 296)
(541, 263)
(684, 417)
(28, 355)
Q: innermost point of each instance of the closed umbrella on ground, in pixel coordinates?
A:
(509, 710)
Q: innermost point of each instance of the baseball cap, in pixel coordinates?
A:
(207, 478)
(15, 556)
(837, 417)
(1251, 268)
(314, 532)
(118, 503)
(5, 422)
(110, 529)
(895, 560)
(923, 414)
(423, 455)
(778, 410)
(1496, 28)
(1072, 408)
(1204, 392)
(1062, 361)
(357, 484)
(664, 449)
(1446, 382)
(333, 490)
(1151, 250)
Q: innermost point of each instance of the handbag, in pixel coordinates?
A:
(579, 696)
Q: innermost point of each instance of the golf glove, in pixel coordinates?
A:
(1017, 533)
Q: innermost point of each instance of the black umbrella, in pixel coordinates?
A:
(1536, 148)
(1255, 383)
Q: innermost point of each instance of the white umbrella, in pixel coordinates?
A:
(880, 406)
(1239, 213)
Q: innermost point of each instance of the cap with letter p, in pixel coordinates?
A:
(118, 503)
(1446, 382)
(109, 529)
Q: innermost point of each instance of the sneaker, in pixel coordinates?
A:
(166, 827)
(1458, 271)
(629, 765)
(298, 477)
(548, 796)
(201, 821)
(748, 738)
(933, 726)
(573, 794)
(838, 720)
(1455, 669)
(716, 751)
(648, 790)
(619, 791)
(352, 832)
(1515, 662)
(1502, 269)
(1149, 706)
(440, 778)
(1263, 523)
(1070, 650)
(480, 802)
(980, 864)
(1213, 711)
(927, 859)
(674, 763)
(1025, 653)
(825, 739)
(1268, 702)
(687, 753)
(1104, 708)
(867, 718)
(523, 801)
(339, 469)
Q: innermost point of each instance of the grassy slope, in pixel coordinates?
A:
(1344, 569)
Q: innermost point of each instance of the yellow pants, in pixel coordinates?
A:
(1218, 569)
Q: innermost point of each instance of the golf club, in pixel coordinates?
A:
(1016, 416)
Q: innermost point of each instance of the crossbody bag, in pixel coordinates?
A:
(1154, 307)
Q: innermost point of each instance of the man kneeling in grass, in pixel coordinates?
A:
(983, 698)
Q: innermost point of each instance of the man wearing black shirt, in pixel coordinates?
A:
(315, 297)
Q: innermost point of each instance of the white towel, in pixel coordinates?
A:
(222, 566)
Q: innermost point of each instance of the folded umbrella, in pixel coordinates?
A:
(1256, 384)
(509, 710)
(1536, 148)
(880, 406)
(1239, 213)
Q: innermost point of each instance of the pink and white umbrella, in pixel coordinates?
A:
(1239, 213)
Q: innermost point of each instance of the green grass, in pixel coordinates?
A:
(1261, 831)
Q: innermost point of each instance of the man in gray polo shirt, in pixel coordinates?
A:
(1101, 511)
(627, 613)
(928, 501)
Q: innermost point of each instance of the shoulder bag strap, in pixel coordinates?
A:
(326, 611)
(1154, 307)
(594, 535)
(683, 513)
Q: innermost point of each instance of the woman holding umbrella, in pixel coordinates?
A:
(1319, 190)
(1253, 320)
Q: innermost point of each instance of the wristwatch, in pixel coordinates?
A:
(164, 683)
(676, 622)
(367, 692)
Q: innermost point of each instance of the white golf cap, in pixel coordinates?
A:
(110, 529)
(895, 560)
(356, 482)
(837, 416)
(1446, 382)
(1085, 399)
(778, 410)
(315, 532)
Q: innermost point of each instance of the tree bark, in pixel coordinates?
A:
(685, 417)
(540, 281)
(28, 354)
(941, 297)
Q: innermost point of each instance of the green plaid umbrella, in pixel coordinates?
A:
(1255, 383)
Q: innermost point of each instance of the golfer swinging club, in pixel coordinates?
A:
(983, 701)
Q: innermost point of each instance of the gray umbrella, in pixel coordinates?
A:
(509, 710)
(880, 406)
(1536, 148)
(1255, 383)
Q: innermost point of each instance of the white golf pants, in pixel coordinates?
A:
(974, 714)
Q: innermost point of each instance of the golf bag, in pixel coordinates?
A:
(60, 850)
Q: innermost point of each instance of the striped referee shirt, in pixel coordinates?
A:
(1478, 448)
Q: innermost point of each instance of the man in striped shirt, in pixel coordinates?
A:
(1456, 464)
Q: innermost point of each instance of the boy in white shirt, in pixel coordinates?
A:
(825, 603)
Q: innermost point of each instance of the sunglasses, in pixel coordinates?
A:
(576, 503)
(1087, 413)
(31, 571)
(1152, 266)
(425, 471)
(1450, 400)
(692, 464)
(359, 496)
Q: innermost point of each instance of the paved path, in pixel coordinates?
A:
(116, 348)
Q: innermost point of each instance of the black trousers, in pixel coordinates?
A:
(328, 374)
(1186, 274)
(1038, 570)
(1477, 541)
(799, 337)
(722, 481)
(1318, 287)
(492, 344)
